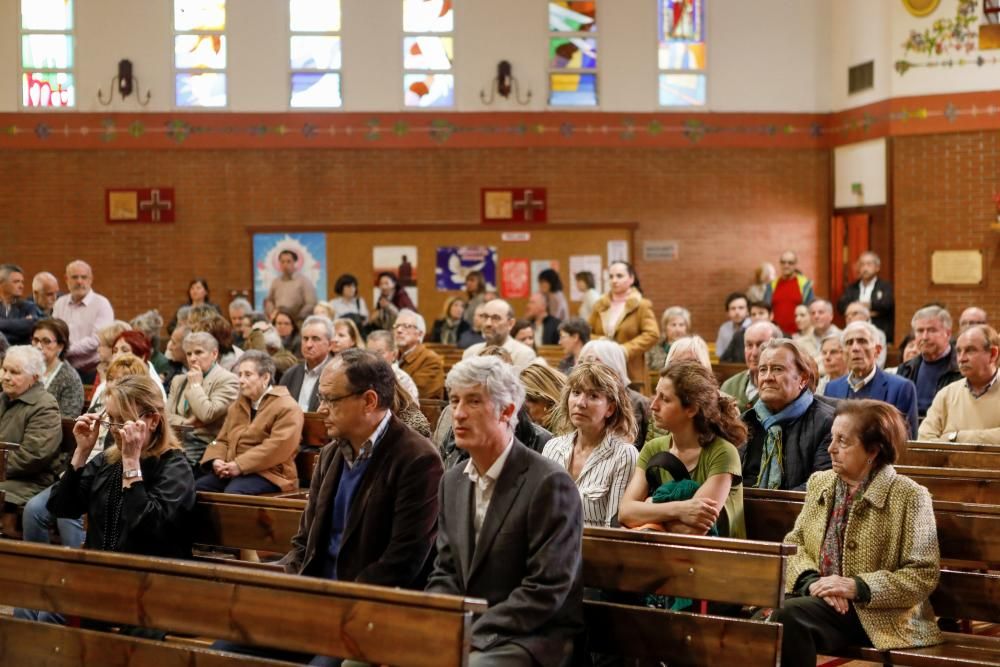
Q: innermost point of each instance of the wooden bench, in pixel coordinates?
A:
(947, 455)
(963, 485)
(305, 614)
(314, 438)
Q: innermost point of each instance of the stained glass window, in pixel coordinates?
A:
(572, 53)
(47, 78)
(315, 53)
(682, 78)
(200, 53)
(428, 53)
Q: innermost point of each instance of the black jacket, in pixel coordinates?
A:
(804, 445)
(292, 379)
(883, 303)
(18, 320)
(439, 326)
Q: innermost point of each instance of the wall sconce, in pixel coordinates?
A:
(503, 83)
(125, 83)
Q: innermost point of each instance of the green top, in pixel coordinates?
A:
(718, 457)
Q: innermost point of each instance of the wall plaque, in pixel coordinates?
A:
(956, 267)
(659, 251)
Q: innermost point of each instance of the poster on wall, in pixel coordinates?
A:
(454, 263)
(539, 265)
(617, 251)
(514, 278)
(310, 248)
(578, 264)
(401, 262)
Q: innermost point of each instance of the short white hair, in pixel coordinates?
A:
(499, 378)
(325, 321)
(610, 354)
(696, 345)
(28, 358)
(871, 329)
(200, 338)
(241, 304)
(418, 319)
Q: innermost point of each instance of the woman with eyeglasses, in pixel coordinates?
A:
(51, 338)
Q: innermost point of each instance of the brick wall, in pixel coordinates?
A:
(728, 208)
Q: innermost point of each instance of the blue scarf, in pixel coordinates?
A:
(772, 456)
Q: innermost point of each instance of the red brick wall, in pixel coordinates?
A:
(728, 208)
(942, 194)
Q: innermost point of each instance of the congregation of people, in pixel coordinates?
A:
(491, 500)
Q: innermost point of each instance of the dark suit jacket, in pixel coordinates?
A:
(527, 563)
(292, 378)
(883, 303)
(886, 387)
(804, 445)
(17, 322)
(550, 330)
(391, 525)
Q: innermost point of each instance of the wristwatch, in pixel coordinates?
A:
(132, 474)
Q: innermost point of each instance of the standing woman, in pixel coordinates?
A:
(550, 285)
(51, 338)
(624, 316)
(198, 295)
(475, 295)
(704, 430)
(598, 454)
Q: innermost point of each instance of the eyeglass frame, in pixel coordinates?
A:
(116, 427)
(326, 400)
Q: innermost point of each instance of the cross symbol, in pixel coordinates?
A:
(155, 205)
(529, 205)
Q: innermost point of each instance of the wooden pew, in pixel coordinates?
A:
(263, 523)
(963, 485)
(314, 438)
(306, 614)
(948, 455)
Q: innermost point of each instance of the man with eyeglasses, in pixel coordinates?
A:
(498, 320)
(787, 291)
(17, 316)
(425, 366)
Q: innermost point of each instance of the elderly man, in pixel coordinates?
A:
(199, 400)
(238, 309)
(936, 366)
(498, 320)
(544, 327)
(302, 380)
(858, 312)
(873, 292)
(17, 316)
(789, 430)
(866, 380)
(834, 365)
(821, 316)
(291, 290)
(254, 452)
(86, 312)
(383, 343)
(787, 291)
(510, 528)
(970, 317)
(474, 334)
(425, 366)
(743, 386)
(44, 292)
(969, 410)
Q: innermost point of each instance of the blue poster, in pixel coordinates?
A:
(454, 263)
(311, 250)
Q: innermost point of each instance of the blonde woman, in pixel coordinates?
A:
(689, 348)
(345, 336)
(598, 454)
(543, 388)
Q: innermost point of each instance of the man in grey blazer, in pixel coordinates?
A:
(302, 380)
(510, 528)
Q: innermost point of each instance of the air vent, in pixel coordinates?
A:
(861, 77)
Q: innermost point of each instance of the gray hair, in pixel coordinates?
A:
(260, 359)
(874, 256)
(148, 323)
(932, 313)
(500, 380)
(384, 336)
(320, 319)
(822, 302)
(418, 319)
(241, 304)
(868, 327)
(838, 338)
(40, 278)
(610, 354)
(202, 338)
(676, 311)
(776, 331)
(696, 345)
(7, 269)
(271, 338)
(183, 313)
(28, 358)
(857, 304)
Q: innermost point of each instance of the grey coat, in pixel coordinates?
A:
(32, 420)
(68, 391)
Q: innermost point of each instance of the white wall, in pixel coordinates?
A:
(860, 31)
(862, 163)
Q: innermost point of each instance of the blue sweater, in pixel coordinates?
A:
(347, 486)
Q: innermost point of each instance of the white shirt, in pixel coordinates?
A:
(404, 379)
(520, 354)
(309, 380)
(865, 291)
(604, 476)
(858, 386)
(485, 484)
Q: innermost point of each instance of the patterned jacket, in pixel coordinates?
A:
(890, 543)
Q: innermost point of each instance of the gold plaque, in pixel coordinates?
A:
(498, 205)
(957, 267)
(123, 205)
(989, 36)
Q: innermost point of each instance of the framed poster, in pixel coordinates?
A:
(310, 248)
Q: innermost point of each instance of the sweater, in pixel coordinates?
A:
(956, 409)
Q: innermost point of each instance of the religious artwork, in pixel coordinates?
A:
(310, 249)
(515, 275)
(579, 264)
(139, 205)
(682, 81)
(454, 263)
(428, 53)
(514, 205)
(315, 57)
(954, 38)
(572, 53)
(200, 53)
(539, 265)
(47, 78)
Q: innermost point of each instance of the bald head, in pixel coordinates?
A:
(79, 278)
(756, 335)
(971, 317)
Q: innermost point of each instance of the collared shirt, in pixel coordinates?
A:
(367, 447)
(979, 394)
(309, 380)
(752, 390)
(485, 485)
(84, 318)
(858, 385)
(865, 291)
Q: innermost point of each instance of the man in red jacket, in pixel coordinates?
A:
(787, 291)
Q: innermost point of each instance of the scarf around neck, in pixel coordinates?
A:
(771, 460)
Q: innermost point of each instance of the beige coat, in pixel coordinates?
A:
(208, 402)
(890, 543)
(267, 445)
(637, 331)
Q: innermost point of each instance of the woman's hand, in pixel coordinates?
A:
(194, 375)
(134, 436)
(85, 430)
(836, 591)
(699, 513)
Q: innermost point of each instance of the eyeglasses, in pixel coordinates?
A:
(404, 326)
(115, 426)
(333, 400)
(42, 341)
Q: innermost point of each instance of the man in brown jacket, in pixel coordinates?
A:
(426, 367)
(255, 451)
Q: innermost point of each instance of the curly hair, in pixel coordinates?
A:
(717, 416)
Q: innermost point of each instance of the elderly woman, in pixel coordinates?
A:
(51, 338)
(675, 323)
(689, 348)
(598, 454)
(690, 481)
(543, 388)
(213, 323)
(29, 416)
(255, 451)
(624, 316)
(450, 327)
(612, 354)
(199, 400)
(867, 555)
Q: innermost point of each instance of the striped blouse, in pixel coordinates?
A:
(604, 476)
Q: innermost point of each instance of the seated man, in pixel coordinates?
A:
(834, 364)
(738, 318)
(302, 380)
(574, 333)
(936, 366)
(475, 333)
(510, 528)
(383, 343)
(199, 400)
(867, 380)
(734, 353)
(789, 430)
(743, 386)
(969, 410)
(972, 316)
(255, 450)
(17, 316)
(425, 366)
(498, 320)
(859, 312)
